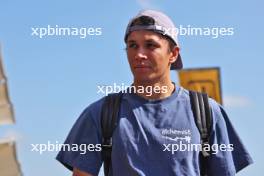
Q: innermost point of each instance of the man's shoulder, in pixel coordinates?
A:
(92, 113)
(95, 106)
(216, 108)
(185, 94)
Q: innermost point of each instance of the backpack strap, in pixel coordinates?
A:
(109, 121)
(202, 116)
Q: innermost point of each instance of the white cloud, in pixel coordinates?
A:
(12, 135)
(236, 101)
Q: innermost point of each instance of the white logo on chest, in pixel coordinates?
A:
(176, 135)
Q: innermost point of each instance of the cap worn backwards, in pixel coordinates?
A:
(157, 22)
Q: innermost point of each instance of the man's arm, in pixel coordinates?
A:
(77, 172)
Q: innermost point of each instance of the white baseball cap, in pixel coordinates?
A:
(157, 22)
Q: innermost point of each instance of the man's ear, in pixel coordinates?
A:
(174, 54)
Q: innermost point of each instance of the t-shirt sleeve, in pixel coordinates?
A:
(82, 147)
(229, 155)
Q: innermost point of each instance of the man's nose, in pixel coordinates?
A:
(141, 54)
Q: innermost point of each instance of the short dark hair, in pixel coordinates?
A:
(142, 21)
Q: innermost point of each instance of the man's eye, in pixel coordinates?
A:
(151, 45)
(132, 45)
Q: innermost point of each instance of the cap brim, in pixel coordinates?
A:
(177, 64)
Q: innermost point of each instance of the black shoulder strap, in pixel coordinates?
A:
(109, 121)
(202, 115)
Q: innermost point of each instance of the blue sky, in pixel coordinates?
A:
(51, 80)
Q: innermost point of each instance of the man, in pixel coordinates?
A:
(150, 127)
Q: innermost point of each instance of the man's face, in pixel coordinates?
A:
(149, 56)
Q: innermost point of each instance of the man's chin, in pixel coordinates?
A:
(143, 78)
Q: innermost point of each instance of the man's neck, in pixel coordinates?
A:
(154, 90)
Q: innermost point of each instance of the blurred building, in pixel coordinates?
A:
(9, 164)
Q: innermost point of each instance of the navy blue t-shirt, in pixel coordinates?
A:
(154, 138)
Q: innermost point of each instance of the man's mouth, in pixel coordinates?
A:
(142, 67)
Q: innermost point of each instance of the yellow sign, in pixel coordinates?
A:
(202, 80)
